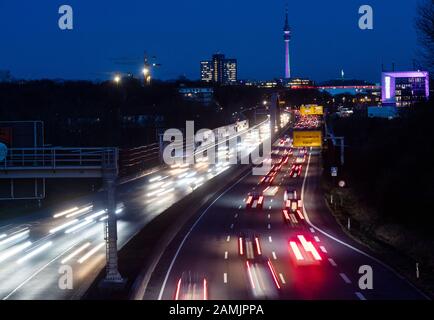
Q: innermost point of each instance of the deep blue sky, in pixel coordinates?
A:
(326, 37)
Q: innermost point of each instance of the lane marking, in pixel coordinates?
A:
(232, 226)
(269, 239)
(39, 271)
(312, 230)
(269, 216)
(226, 255)
(344, 276)
(225, 277)
(317, 239)
(236, 215)
(323, 249)
(269, 226)
(269, 208)
(282, 278)
(228, 239)
(348, 245)
(240, 206)
(163, 286)
(332, 262)
(360, 296)
(274, 255)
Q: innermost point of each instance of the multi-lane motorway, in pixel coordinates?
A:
(33, 248)
(235, 251)
(243, 245)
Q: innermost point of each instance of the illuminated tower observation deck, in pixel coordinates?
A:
(287, 38)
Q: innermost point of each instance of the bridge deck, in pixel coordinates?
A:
(21, 163)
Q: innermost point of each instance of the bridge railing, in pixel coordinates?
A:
(56, 158)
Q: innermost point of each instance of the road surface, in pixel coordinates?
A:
(211, 250)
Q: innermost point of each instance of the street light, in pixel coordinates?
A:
(117, 79)
(147, 75)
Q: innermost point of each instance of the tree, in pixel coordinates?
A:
(425, 26)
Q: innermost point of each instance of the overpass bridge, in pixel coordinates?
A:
(21, 163)
(58, 162)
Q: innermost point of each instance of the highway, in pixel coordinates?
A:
(35, 246)
(309, 258)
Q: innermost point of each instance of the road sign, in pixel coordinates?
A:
(311, 110)
(307, 139)
(334, 171)
(3, 151)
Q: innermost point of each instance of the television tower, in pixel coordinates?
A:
(287, 38)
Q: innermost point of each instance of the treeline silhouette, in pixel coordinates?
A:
(82, 113)
(390, 163)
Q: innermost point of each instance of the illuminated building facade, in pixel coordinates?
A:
(299, 83)
(206, 71)
(219, 70)
(404, 88)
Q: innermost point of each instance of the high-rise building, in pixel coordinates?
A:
(206, 71)
(229, 71)
(287, 38)
(219, 70)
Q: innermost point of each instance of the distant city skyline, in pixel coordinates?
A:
(325, 39)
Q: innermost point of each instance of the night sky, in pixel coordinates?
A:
(326, 37)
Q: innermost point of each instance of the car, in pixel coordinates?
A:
(292, 211)
(293, 218)
(249, 246)
(287, 152)
(268, 179)
(254, 201)
(303, 250)
(289, 194)
(278, 167)
(289, 218)
(264, 283)
(299, 160)
(270, 191)
(191, 286)
(293, 205)
(295, 170)
(301, 157)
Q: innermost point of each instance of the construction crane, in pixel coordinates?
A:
(148, 65)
